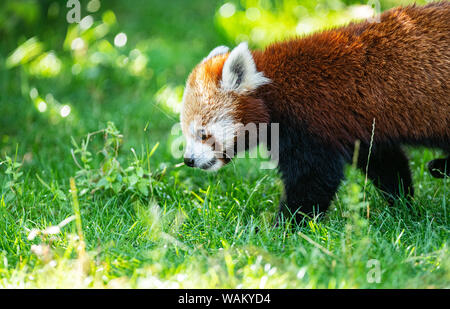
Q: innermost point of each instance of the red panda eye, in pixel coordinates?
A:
(202, 135)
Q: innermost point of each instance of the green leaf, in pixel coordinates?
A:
(143, 188)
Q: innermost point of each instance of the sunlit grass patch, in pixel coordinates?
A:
(210, 232)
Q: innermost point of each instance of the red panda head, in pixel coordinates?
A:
(217, 103)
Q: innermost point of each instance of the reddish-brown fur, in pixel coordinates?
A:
(330, 89)
(337, 82)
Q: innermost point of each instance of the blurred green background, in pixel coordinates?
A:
(126, 62)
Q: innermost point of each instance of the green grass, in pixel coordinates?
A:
(181, 227)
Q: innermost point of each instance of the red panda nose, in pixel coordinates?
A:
(189, 162)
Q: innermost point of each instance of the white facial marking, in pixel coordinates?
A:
(200, 151)
(207, 154)
(224, 131)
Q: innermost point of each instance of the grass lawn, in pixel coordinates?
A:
(139, 219)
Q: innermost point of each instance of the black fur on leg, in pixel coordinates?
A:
(439, 168)
(311, 173)
(388, 169)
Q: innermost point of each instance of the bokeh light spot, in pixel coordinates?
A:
(362, 11)
(86, 22)
(120, 40)
(93, 6)
(77, 44)
(227, 10)
(76, 69)
(304, 28)
(42, 106)
(34, 93)
(65, 111)
(47, 65)
(253, 14)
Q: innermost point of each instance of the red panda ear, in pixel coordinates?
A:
(239, 71)
(220, 50)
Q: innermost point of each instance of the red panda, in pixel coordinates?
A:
(383, 83)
